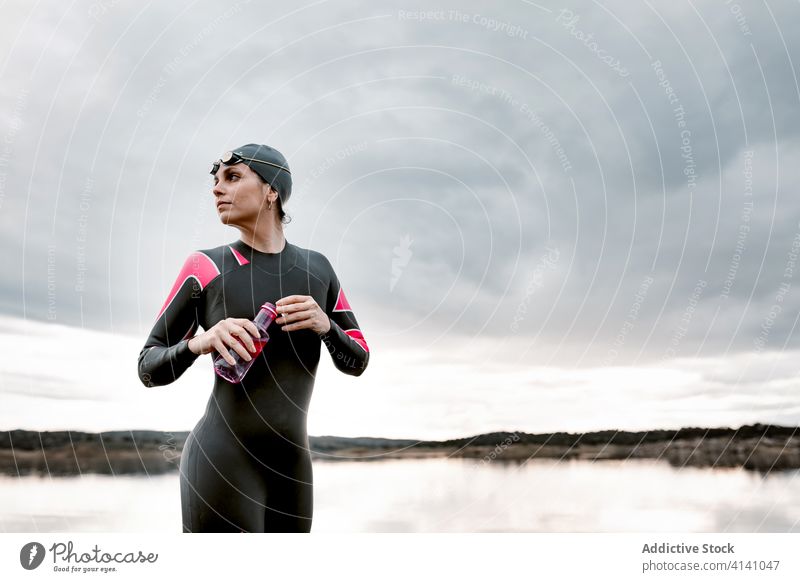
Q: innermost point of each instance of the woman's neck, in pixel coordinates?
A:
(266, 241)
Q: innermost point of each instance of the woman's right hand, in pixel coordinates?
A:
(223, 336)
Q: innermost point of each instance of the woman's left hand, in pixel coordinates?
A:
(301, 312)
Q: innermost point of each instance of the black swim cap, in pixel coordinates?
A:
(265, 161)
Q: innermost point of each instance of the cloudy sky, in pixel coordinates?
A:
(547, 216)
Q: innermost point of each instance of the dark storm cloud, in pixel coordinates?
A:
(434, 160)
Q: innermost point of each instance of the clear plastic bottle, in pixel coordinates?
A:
(234, 373)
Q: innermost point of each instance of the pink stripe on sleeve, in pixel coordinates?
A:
(359, 337)
(198, 266)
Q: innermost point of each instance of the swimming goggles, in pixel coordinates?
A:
(231, 158)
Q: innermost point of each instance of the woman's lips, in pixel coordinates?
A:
(221, 204)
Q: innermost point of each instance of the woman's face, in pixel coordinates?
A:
(240, 195)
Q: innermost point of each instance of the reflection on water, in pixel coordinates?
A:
(443, 495)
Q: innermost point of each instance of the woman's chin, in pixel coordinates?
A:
(226, 217)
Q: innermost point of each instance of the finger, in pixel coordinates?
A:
(297, 316)
(219, 345)
(249, 326)
(294, 306)
(300, 321)
(239, 348)
(285, 318)
(293, 309)
(244, 337)
(289, 299)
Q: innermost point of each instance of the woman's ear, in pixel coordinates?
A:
(267, 190)
(270, 195)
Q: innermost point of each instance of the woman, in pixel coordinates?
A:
(246, 466)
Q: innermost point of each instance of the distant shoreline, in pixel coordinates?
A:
(758, 447)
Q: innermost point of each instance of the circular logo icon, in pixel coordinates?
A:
(31, 555)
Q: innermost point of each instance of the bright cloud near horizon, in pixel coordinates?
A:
(405, 396)
(546, 216)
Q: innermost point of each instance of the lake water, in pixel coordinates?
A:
(443, 495)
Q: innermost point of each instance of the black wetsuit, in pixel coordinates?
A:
(246, 465)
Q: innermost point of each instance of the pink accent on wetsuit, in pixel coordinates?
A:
(358, 337)
(241, 260)
(199, 266)
(341, 302)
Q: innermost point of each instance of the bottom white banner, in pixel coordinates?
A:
(483, 556)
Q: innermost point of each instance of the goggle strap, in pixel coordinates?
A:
(268, 163)
(231, 155)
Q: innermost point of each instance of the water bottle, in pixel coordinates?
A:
(234, 373)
